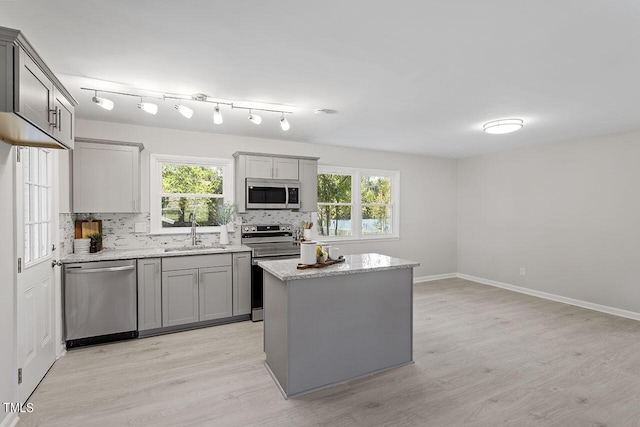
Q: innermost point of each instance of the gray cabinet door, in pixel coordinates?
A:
(215, 293)
(64, 120)
(35, 93)
(106, 178)
(241, 283)
(285, 168)
(259, 167)
(309, 185)
(149, 294)
(179, 297)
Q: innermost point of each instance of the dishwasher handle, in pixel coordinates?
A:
(99, 270)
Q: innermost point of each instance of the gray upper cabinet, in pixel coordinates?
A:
(259, 167)
(309, 185)
(241, 283)
(64, 119)
(106, 177)
(149, 294)
(268, 166)
(35, 109)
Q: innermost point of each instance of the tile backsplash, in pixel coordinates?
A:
(119, 229)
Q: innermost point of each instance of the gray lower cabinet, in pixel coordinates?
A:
(241, 283)
(149, 294)
(179, 297)
(196, 288)
(176, 291)
(215, 293)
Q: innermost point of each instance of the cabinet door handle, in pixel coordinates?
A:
(59, 117)
(54, 122)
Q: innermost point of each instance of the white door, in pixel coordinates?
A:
(35, 287)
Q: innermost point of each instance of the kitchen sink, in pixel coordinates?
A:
(194, 248)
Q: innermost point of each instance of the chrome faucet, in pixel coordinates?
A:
(194, 224)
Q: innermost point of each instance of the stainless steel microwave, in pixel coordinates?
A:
(272, 194)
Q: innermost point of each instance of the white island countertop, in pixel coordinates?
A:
(361, 263)
(118, 254)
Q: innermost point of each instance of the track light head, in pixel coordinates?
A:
(254, 118)
(107, 104)
(185, 111)
(284, 123)
(217, 115)
(148, 107)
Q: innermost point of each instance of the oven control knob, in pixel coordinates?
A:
(246, 229)
(253, 229)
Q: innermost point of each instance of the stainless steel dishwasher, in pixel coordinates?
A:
(100, 302)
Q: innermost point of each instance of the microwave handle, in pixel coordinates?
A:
(286, 201)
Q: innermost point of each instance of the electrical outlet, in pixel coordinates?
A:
(140, 227)
(522, 271)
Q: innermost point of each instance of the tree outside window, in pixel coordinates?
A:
(377, 210)
(191, 189)
(334, 205)
(357, 203)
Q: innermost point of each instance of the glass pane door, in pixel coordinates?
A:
(37, 203)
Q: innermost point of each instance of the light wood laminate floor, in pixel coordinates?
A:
(483, 357)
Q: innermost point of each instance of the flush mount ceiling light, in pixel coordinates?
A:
(284, 124)
(217, 115)
(254, 118)
(107, 104)
(498, 127)
(185, 111)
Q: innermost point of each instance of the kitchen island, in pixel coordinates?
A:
(325, 326)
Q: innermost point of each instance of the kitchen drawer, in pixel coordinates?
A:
(195, 261)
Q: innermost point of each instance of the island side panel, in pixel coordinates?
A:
(275, 327)
(346, 326)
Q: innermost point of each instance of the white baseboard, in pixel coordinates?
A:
(10, 420)
(434, 277)
(553, 297)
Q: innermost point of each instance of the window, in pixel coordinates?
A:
(186, 186)
(357, 203)
(37, 204)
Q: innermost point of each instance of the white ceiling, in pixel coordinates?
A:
(410, 76)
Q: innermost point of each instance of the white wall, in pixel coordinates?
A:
(8, 369)
(428, 185)
(569, 213)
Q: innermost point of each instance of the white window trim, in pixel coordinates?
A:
(356, 202)
(155, 188)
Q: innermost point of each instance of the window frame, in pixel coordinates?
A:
(155, 186)
(356, 203)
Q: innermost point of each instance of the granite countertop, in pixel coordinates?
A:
(116, 254)
(361, 263)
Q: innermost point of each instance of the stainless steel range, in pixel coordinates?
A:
(267, 242)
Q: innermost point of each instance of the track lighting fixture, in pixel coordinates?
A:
(107, 104)
(148, 107)
(185, 111)
(284, 123)
(217, 115)
(151, 108)
(254, 118)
